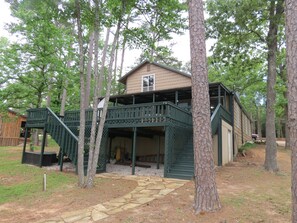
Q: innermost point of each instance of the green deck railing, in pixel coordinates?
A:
(36, 118)
(147, 114)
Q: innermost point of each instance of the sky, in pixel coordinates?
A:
(181, 49)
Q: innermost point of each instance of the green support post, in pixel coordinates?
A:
(62, 150)
(42, 147)
(167, 151)
(158, 154)
(219, 94)
(134, 150)
(25, 143)
(220, 143)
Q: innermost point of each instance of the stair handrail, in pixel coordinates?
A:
(65, 126)
(215, 112)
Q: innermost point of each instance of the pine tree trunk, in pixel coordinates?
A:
(291, 37)
(271, 149)
(206, 195)
(81, 136)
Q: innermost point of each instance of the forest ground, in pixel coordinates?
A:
(248, 194)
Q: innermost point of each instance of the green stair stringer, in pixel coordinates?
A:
(71, 120)
(63, 136)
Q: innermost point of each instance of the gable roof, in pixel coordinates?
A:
(124, 78)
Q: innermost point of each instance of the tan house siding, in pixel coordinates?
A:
(164, 79)
(244, 133)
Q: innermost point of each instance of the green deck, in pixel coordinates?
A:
(176, 121)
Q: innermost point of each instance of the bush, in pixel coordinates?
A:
(245, 147)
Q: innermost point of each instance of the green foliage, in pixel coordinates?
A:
(40, 59)
(246, 146)
(240, 54)
(155, 22)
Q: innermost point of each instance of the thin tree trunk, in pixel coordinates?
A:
(89, 70)
(271, 149)
(115, 68)
(92, 173)
(48, 99)
(206, 195)
(123, 54)
(64, 94)
(89, 182)
(101, 74)
(287, 135)
(81, 136)
(291, 37)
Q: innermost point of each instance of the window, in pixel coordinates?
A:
(148, 83)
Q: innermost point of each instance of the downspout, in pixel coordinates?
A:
(176, 97)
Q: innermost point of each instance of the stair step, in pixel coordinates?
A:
(181, 171)
(179, 176)
(183, 167)
(185, 162)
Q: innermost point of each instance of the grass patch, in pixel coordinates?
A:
(234, 201)
(20, 180)
(246, 147)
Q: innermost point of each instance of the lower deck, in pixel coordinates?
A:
(159, 133)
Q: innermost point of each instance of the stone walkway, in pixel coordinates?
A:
(148, 189)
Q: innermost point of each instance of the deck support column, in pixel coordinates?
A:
(158, 154)
(62, 151)
(110, 143)
(42, 147)
(219, 94)
(134, 150)
(25, 143)
(220, 152)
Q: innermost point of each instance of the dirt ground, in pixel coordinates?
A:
(248, 194)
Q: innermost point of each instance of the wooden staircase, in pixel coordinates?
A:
(183, 166)
(65, 136)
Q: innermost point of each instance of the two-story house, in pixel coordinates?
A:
(152, 122)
